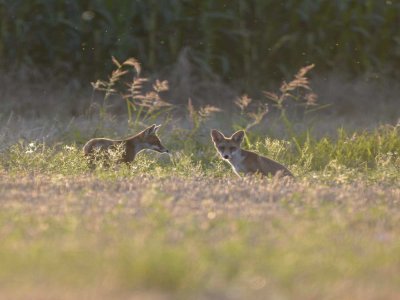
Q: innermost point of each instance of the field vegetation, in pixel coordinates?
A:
(248, 42)
(313, 83)
(183, 225)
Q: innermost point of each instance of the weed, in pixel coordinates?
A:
(141, 106)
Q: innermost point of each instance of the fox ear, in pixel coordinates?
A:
(156, 128)
(238, 136)
(216, 136)
(150, 130)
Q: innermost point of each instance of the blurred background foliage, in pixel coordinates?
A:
(242, 41)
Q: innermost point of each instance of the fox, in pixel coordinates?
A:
(131, 146)
(243, 161)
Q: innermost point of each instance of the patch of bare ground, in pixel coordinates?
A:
(145, 237)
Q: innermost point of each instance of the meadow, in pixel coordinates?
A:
(184, 226)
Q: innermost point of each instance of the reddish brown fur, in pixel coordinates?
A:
(130, 146)
(243, 161)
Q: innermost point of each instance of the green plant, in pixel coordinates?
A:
(297, 91)
(233, 39)
(199, 116)
(250, 115)
(141, 106)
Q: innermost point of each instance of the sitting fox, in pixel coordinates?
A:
(243, 161)
(147, 139)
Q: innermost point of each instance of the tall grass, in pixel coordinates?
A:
(255, 40)
(373, 156)
(141, 105)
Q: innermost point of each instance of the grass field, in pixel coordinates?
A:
(182, 225)
(185, 227)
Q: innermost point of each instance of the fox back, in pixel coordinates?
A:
(130, 146)
(243, 161)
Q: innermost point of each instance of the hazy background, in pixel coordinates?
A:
(211, 51)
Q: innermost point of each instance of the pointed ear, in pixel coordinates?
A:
(156, 128)
(150, 130)
(216, 136)
(238, 136)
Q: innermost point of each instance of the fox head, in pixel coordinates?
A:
(227, 147)
(150, 140)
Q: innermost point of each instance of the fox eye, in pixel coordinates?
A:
(232, 149)
(221, 148)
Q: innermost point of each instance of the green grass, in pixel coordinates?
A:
(365, 154)
(185, 227)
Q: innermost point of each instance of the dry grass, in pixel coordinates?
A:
(186, 227)
(183, 226)
(198, 238)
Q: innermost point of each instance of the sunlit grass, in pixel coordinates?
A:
(198, 236)
(185, 226)
(347, 157)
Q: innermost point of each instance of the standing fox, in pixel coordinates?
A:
(147, 139)
(243, 161)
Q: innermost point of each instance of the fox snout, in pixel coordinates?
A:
(226, 152)
(160, 149)
(228, 148)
